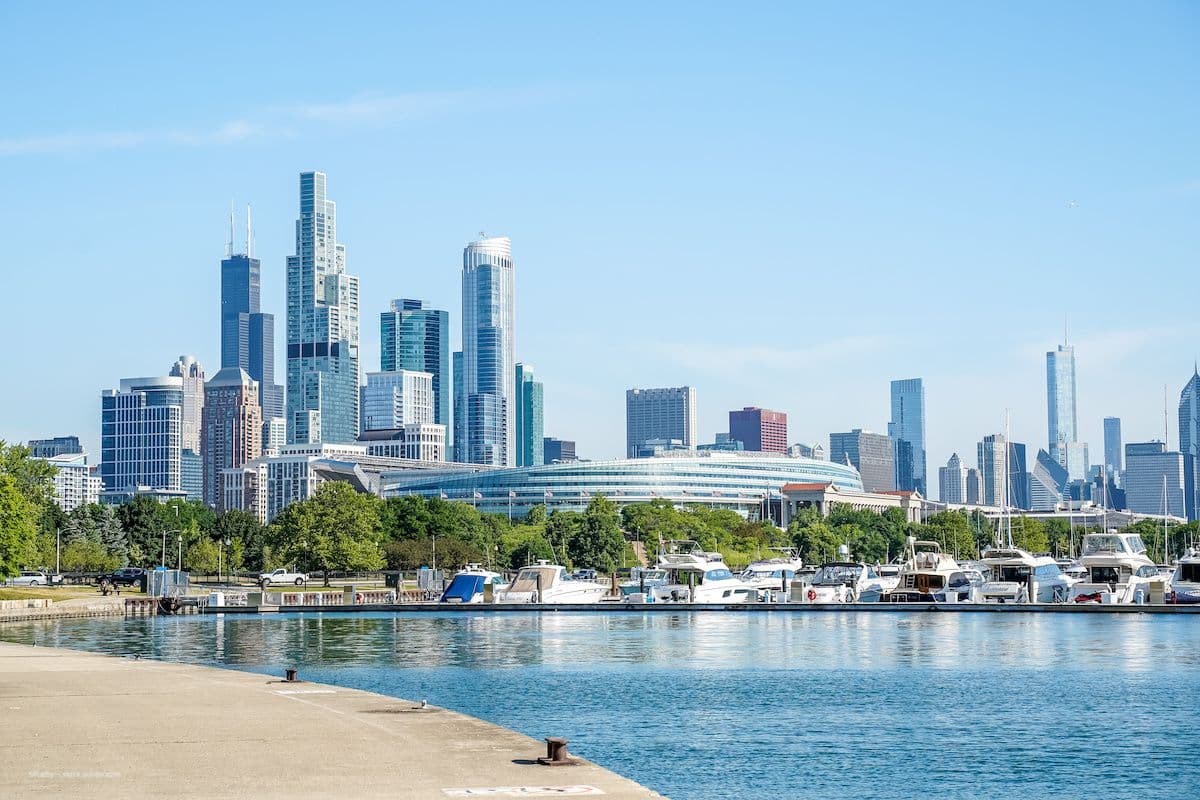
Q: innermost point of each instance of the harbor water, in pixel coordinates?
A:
(722, 705)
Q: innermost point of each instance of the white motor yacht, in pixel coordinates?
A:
(773, 574)
(698, 577)
(643, 579)
(842, 582)
(1185, 581)
(1014, 575)
(467, 585)
(1117, 566)
(925, 573)
(889, 576)
(550, 583)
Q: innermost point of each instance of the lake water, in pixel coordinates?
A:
(725, 705)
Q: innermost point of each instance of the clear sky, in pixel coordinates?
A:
(784, 205)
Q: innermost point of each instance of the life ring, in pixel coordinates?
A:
(811, 594)
(358, 598)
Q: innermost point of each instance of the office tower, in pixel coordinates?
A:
(529, 402)
(1150, 472)
(1112, 448)
(232, 428)
(908, 425)
(872, 454)
(952, 481)
(274, 435)
(322, 326)
(58, 446)
(1047, 483)
(247, 334)
(1189, 443)
(1018, 477)
(725, 442)
(1060, 403)
(391, 400)
(141, 434)
(665, 414)
(759, 430)
(460, 410)
(974, 487)
(991, 453)
(415, 337)
(489, 366)
(814, 450)
(558, 451)
(188, 369)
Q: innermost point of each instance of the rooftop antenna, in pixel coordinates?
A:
(230, 253)
(1066, 330)
(249, 239)
(1166, 423)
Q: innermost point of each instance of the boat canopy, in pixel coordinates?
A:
(464, 588)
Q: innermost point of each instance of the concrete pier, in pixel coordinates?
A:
(76, 724)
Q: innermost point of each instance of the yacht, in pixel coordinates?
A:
(773, 574)
(1117, 566)
(889, 575)
(1185, 581)
(467, 584)
(698, 577)
(1017, 576)
(842, 582)
(544, 582)
(643, 579)
(925, 573)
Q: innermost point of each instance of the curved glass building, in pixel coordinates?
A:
(742, 482)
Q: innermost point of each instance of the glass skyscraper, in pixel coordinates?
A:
(489, 354)
(908, 426)
(1060, 404)
(247, 334)
(414, 337)
(1189, 443)
(1112, 447)
(141, 434)
(322, 326)
(530, 439)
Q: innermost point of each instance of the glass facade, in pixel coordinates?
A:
(414, 337)
(908, 426)
(1112, 447)
(1154, 477)
(530, 452)
(1060, 403)
(1189, 444)
(247, 334)
(654, 414)
(872, 454)
(489, 354)
(141, 435)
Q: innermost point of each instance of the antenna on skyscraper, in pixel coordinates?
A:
(230, 253)
(249, 240)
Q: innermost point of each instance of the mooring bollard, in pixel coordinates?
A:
(556, 753)
(289, 675)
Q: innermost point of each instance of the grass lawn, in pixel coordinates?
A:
(52, 593)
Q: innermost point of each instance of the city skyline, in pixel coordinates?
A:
(1012, 198)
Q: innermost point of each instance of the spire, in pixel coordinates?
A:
(249, 239)
(229, 253)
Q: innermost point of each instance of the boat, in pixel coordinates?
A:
(1017, 576)
(889, 576)
(1118, 570)
(642, 579)
(544, 582)
(773, 574)
(842, 582)
(925, 573)
(698, 577)
(467, 585)
(1185, 580)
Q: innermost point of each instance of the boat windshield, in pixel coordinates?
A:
(1105, 574)
(716, 575)
(1103, 543)
(527, 579)
(1011, 573)
(837, 575)
(1189, 572)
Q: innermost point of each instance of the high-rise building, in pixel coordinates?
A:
(660, 414)
(1189, 443)
(188, 369)
(558, 451)
(759, 429)
(322, 326)
(814, 450)
(1047, 483)
(952, 481)
(872, 454)
(413, 336)
(58, 446)
(141, 434)
(391, 400)
(974, 487)
(459, 443)
(1113, 463)
(1077, 463)
(908, 425)
(991, 453)
(1060, 403)
(247, 334)
(489, 366)
(529, 402)
(1153, 476)
(75, 482)
(232, 428)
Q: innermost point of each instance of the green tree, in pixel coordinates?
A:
(32, 477)
(813, 537)
(18, 527)
(536, 515)
(405, 518)
(246, 537)
(1030, 534)
(335, 529)
(202, 556)
(597, 542)
(953, 531)
(144, 528)
(88, 555)
(529, 548)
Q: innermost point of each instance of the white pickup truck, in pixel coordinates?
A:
(281, 575)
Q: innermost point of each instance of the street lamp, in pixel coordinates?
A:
(179, 563)
(164, 546)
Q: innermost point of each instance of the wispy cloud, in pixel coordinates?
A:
(281, 121)
(1114, 345)
(706, 357)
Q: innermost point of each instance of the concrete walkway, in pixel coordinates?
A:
(78, 724)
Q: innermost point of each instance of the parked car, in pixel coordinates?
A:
(127, 576)
(282, 576)
(31, 578)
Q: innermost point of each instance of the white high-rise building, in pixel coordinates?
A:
(188, 369)
(391, 400)
(660, 414)
(488, 391)
(952, 481)
(75, 483)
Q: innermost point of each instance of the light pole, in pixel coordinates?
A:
(58, 551)
(179, 562)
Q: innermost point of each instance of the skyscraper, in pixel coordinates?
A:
(489, 353)
(952, 481)
(460, 410)
(392, 400)
(530, 444)
(759, 429)
(1189, 443)
(1112, 448)
(58, 446)
(1047, 482)
(415, 337)
(232, 428)
(322, 326)
(558, 451)
(188, 369)
(141, 434)
(991, 453)
(872, 454)
(1060, 403)
(247, 334)
(668, 413)
(1153, 476)
(908, 425)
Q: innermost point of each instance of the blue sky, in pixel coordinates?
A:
(785, 205)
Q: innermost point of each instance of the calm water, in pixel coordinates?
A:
(712, 705)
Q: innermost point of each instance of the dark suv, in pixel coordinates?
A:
(127, 576)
